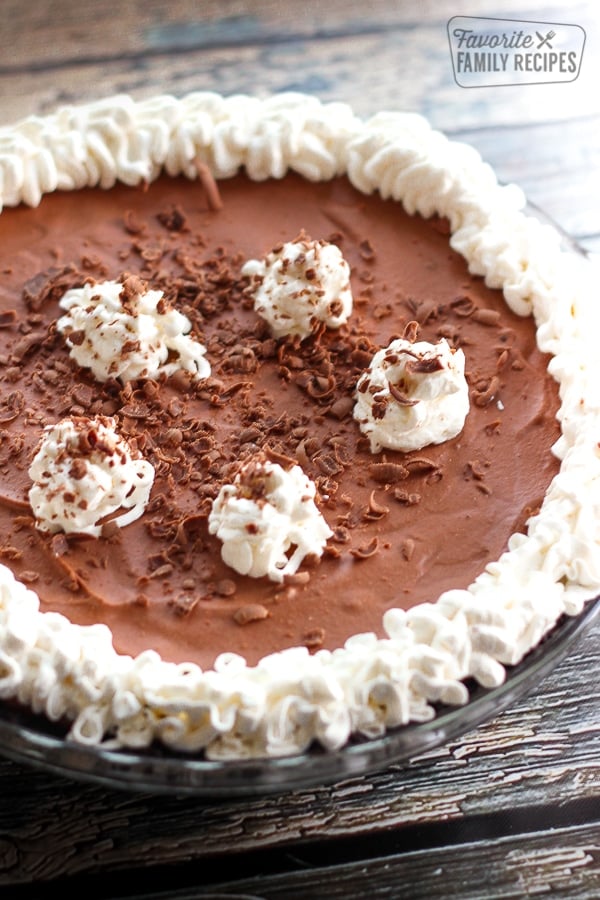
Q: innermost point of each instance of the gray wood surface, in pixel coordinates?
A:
(511, 809)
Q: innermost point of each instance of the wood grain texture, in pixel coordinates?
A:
(61, 31)
(561, 863)
(511, 809)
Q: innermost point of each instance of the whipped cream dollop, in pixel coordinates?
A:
(124, 331)
(264, 514)
(412, 395)
(84, 471)
(300, 284)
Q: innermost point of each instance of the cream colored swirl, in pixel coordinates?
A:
(124, 331)
(83, 473)
(413, 394)
(267, 520)
(299, 285)
(117, 139)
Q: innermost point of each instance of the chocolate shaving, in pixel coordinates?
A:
(50, 285)
(361, 358)
(367, 550)
(210, 186)
(133, 286)
(487, 317)
(12, 553)
(424, 366)
(365, 248)
(341, 408)
(406, 498)
(314, 638)
(29, 576)
(78, 469)
(518, 363)
(485, 391)
(251, 612)
(411, 331)
(26, 344)
(341, 535)
(421, 464)
(296, 578)
(234, 388)
(83, 394)
(162, 571)
(131, 222)
(332, 552)
(407, 549)
(424, 311)
(320, 387)
(452, 333)
(463, 306)
(173, 219)
(279, 458)
(241, 360)
(376, 510)
(226, 587)
(493, 428)
(11, 407)
(76, 338)
(388, 473)
(475, 468)
(184, 604)
(502, 360)
(379, 407)
(400, 397)
(327, 464)
(7, 318)
(136, 410)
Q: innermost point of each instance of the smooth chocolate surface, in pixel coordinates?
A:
(406, 526)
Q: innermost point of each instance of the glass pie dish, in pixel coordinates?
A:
(35, 741)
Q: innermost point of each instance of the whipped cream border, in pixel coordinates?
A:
(292, 698)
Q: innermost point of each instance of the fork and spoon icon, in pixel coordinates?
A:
(545, 41)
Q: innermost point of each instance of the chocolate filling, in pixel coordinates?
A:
(406, 526)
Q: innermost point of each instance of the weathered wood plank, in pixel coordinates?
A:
(52, 32)
(563, 863)
(544, 751)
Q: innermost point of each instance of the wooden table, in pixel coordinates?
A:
(510, 809)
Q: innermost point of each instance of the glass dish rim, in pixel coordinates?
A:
(30, 739)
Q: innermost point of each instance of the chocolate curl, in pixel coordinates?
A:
(209, 184)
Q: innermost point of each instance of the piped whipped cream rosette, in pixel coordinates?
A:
(83, 473)
(124, 331)
(412, 395)
(268, 521)
(300, 284)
